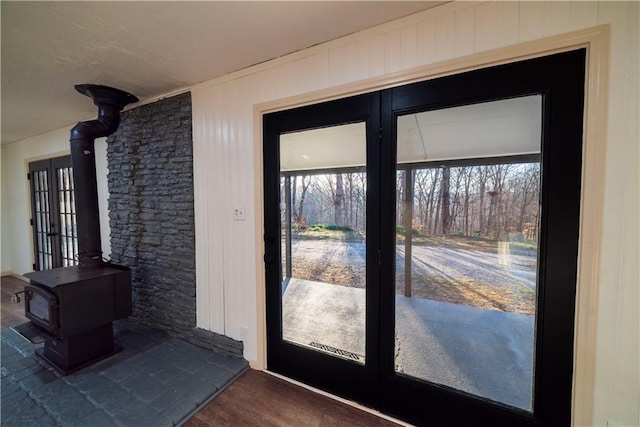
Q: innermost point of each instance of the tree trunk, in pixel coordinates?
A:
(338, 202)
(300, 219)
(467, 182)
(482, 180)
(293, 185)
(444, 190)
(433, 222)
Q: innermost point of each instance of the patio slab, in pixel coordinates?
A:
(156, 380)
(483, 352)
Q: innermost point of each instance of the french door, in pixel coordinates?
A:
(53, 214)
(421, 244)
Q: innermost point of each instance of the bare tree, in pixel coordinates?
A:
(481, 176)
(467, 174)
(433, 210)
(298, 215)
(530, 189)
(444, 193)
(490, 199)
(338, 200)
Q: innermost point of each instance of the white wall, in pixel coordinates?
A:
(17, 241)
(5, 257)
(226, 163)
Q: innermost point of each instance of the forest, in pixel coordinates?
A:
(497, 201)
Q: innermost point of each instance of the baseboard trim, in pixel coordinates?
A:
(16, 275)
(339, 399)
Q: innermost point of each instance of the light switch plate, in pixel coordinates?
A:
(239, 213)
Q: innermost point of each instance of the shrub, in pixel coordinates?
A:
(338, 227)
(400, 230)
(317, 227)
(332, 227)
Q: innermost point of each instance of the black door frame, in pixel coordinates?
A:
(356, 381)
(560, 78)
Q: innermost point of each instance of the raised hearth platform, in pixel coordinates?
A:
(156, 380)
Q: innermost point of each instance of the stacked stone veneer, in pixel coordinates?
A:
(150, 161)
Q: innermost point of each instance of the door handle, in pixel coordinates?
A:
(52, 234)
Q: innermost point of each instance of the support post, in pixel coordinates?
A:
(408, 229)
(287, 219)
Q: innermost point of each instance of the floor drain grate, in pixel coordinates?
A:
(343, 353)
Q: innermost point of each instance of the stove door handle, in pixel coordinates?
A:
(15, 298)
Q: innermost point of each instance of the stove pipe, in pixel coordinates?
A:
(83, 160)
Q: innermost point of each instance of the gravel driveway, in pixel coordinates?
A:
(503, 281)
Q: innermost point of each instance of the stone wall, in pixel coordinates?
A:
(150, 161)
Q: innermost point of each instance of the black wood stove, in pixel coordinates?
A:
(77, 305)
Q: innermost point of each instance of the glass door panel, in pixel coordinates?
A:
(323, 241)
(53, 213)
(467, 221)
(42, 219)
(68, 222)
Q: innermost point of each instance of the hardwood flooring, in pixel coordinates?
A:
(260, 399)
(255, 399)
(11, 314)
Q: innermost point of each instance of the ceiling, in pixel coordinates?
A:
(488, 129)
(151, 48)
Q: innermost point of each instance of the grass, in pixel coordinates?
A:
(318, 232)
(465, 291)
(458, 290)
(467, 242)
(346, 234)
(519, 299)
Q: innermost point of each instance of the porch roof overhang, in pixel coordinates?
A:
(508, 127)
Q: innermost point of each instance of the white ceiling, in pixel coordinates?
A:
(488, 129)
(151, 48)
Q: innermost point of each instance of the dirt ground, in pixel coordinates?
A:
(458, 270)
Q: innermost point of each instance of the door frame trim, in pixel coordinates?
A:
(596, 41)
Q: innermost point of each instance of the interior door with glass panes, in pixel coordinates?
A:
(53, 214)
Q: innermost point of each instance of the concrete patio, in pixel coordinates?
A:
(483, 352)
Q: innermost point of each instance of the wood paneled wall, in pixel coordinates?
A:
(227, 163)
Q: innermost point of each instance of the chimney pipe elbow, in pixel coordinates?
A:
(104, 125)
(109, 101)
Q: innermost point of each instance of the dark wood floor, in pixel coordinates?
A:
(12, 314)
(260, 399)
(255, 399)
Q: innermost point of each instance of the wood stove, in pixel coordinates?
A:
(76, 306)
